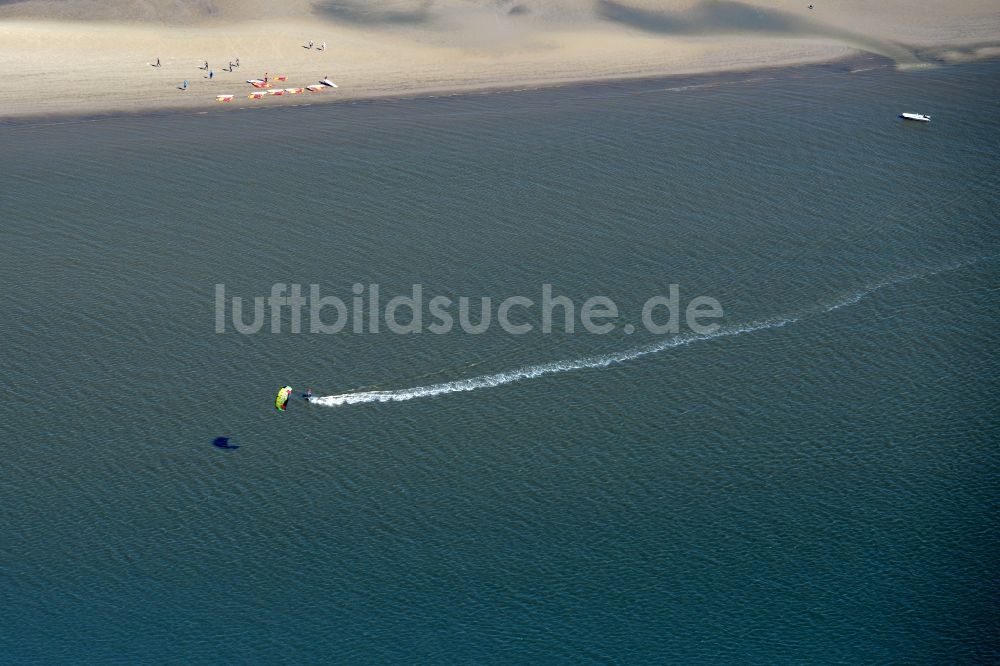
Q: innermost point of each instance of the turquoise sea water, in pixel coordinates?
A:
(814, 484)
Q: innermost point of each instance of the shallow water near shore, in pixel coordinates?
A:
(813, 484)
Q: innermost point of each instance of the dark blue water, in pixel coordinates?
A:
(815, 482)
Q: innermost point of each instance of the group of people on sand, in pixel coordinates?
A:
(234, 64)
(211, 72)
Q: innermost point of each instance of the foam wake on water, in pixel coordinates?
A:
(604, 360)
(535, 371)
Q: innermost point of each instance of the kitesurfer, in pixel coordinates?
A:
(308, 394)
(281, 400)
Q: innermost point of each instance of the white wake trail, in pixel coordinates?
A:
(534, 371)
(604, 360)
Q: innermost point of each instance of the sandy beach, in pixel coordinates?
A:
(72, 58)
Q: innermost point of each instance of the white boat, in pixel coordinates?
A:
(915, 116)
(328, 82)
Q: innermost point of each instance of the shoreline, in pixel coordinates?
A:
(847, 64)
(851, 63)
(73, 71)
(64, 67)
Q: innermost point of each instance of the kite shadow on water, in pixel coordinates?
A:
(223, 443)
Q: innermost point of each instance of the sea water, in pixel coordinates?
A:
(813, 482)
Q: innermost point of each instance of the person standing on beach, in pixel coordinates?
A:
(157, 62)
(237, 62)
(185, 87)
(310, 44)
(323, 47)
(206, 65)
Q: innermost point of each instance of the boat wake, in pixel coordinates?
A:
(604, 360)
